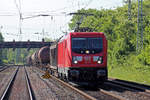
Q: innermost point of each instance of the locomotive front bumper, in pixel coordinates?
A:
(88, 74)
(74, 73)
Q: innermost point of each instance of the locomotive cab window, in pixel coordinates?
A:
(81, 45)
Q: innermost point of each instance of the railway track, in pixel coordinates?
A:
(120, 90)
(138, 86)
(116, 90)
(100, 93)
(89, 94)
(27, 84)
(72, 88)
(31, 93)
(5, 77)
(18, 87)
(127, 90)
(5, 94)
(3, 68)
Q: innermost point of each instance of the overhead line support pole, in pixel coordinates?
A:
(139, 45)
(129, 9)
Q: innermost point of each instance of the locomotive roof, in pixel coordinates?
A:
(87, 33)
(78, 34)
(81, 34)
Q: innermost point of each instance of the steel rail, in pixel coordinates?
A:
(129, 84)
(83, 93)
(3, 68)
(6, 92)
(71, 87)
(31, 93)
(128, 88)
(111, 94)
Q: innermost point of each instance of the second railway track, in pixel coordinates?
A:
(18, 87)
(3, 68)
(138, 86)
(126, 90)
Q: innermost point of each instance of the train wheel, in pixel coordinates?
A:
(66, 79)
(51, 72)
(58, 75)
(61, 77)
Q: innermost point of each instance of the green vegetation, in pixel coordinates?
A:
(123, 60)
(16, 56)
(1, 40)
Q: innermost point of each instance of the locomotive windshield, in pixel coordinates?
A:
(81, 45)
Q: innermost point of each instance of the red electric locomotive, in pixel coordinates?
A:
(80, 57)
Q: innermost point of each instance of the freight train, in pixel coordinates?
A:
(79, 57)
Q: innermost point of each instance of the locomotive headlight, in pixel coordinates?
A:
(75, 62)
(87, 51)
(99, 62)
(98, 59)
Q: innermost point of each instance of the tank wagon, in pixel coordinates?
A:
(29, 61)
(40, 57)
(43, 55)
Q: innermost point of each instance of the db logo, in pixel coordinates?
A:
(87, 59)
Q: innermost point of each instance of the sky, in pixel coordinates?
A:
(34, 27)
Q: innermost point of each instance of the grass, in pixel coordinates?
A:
(130, 69)
(136, 73)
(128, 73)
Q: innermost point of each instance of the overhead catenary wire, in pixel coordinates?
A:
(42, 12)
(56, 12)
(90, 1)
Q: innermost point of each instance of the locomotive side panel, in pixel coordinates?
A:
(64, 56)
(60, 54)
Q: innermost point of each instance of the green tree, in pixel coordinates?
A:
(1, 40)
